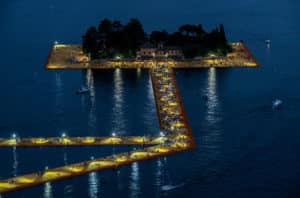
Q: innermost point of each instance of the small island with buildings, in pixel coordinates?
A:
(114, 45)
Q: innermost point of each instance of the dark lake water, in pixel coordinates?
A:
(244, 148)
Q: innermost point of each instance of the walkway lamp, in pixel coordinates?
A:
(15, 138)
(161, 134)
(63, 135)
(55, 43)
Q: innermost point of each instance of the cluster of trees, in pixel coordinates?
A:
(194, 40)
(112, 39)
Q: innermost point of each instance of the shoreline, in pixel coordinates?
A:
(60, 56)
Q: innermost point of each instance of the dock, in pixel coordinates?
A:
(61, 57)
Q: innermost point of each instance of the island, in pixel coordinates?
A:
(114, 45)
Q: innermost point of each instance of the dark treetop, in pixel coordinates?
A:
(112, 38)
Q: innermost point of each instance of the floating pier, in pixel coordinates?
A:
(175, 136)
(175, 132)
(81, 141)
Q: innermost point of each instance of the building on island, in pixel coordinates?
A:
(149, 51)
(80, 58)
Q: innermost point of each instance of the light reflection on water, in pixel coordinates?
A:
(138, 72)
(149, 108)
(135, 181)
(48, 190)
(15, 162)
(162, 176)
(118, 121)
(212, 98)
(59, 96)
(65, 155)
(68, 191)
(92, 121)
(213, 118)
(93, 185)
(158, 175)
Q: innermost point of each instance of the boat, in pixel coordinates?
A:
(165, 188)
(82, 90)
(276, 103)
(268, 43)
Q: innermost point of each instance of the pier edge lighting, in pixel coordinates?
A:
(13, 135)
(63, 135)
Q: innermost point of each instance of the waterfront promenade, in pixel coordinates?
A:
(61, 56)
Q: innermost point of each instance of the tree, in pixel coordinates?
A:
(158, 36)
(188, 30)
(134, 34)
(90, 42)
(105, 27)
(117, 26)
(199, 32)
(223, 39)
(112, 38)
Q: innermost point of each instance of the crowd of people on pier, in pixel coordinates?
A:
(168, 106)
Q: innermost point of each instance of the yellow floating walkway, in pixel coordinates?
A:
(72, 170)
(176, 136)
(82, 141)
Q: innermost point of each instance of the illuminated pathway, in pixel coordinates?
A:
(175, 137)
(82, 141)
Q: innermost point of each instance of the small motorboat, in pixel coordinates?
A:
(268, 43)
(82, 90)
(276, 104)
(165, 188)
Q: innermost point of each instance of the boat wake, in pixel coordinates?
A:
(166, 188)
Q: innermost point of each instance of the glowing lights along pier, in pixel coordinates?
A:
(175, 136)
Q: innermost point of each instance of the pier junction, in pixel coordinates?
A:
(175, 132)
